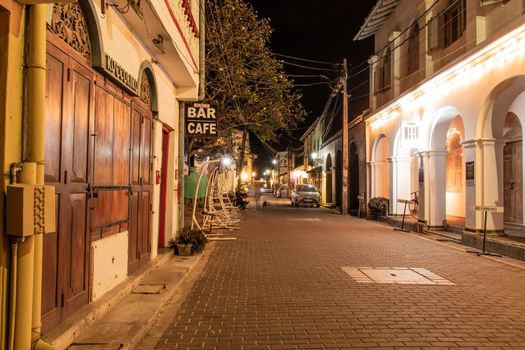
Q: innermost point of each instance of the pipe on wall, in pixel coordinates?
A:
(28, 289)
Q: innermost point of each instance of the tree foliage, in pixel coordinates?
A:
(245, 83)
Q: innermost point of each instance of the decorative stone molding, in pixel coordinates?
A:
(68, 23)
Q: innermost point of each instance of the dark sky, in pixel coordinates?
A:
(322, 31)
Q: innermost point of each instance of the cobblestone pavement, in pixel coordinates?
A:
(281, 285)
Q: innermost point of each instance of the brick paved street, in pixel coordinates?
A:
(281, 285)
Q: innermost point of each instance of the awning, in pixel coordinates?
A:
(376, 18)
(317, 169)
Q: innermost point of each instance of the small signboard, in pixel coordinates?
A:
(487, 208)
(201, 120)
(469, 173)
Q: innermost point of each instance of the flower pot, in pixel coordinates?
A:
(184, 249)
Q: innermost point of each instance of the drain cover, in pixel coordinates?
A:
(148, 289)
(396, 275)
(97, 346)
(305, 219)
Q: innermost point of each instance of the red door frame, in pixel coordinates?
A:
(163, 177)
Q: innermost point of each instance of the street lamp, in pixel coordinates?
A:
(274, 161)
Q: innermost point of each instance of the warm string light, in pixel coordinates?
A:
(496, 55)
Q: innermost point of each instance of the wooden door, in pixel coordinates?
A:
(141, 187)
(512, 181)
(67, 125)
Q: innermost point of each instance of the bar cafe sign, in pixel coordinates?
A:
(201, 120)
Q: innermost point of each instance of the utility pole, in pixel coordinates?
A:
(344, 199)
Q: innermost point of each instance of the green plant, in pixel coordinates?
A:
(195, 237)
(378, 205)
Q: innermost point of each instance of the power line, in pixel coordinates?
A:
(308, 67)
(306, 59)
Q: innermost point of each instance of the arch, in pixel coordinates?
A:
(77, 25)
(438, 132)
(498, 102)
(353, 178)
(93, 26)
(381, 173)
(374, 146)
(446, 168)
(328, 179)
(328, 163)
(146, 72)
(338, 178)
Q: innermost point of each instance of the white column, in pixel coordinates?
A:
(392, 207)
(372, 61)
(395, 40)
(371, 179)
(424, 188)
(489, 181)
(438, 192)
(469, 155)
(334, 187)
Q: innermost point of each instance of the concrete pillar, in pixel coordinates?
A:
(469, 155)
(372, 61)
(392, 205)
(424, 188)
(489, 182)
(437, 188)
(395, 59)
(371, 179)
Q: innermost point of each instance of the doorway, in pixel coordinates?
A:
(513, 170)
(163, 186)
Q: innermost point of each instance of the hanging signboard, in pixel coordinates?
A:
(201, 120)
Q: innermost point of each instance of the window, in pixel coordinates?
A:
(382, 75)
(454, 180)
(413, 50)
(454, 20)
(448, 26)
(410, 134)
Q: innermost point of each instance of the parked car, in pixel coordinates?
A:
(283, 192)
(305, 194)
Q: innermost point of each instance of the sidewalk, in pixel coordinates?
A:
(121, 318)
(509, 246)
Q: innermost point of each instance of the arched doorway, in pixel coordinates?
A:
(500, 155)
(446, 186)
(381, 169)
(353, 179)
(513, 170)
(338, 178)
(328, 179)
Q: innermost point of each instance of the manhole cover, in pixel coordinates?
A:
(396, 275)
(148, 289)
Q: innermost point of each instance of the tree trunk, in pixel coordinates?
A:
(240, 166)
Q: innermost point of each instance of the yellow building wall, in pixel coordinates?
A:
(11, 80)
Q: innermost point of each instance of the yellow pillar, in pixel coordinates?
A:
(29, 288)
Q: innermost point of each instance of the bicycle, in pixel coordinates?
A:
(413, 205)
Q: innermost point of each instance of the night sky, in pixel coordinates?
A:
(319, 31)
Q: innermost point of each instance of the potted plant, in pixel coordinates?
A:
(189, 241)
(378, 206)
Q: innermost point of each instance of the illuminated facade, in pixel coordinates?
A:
(447, 106)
